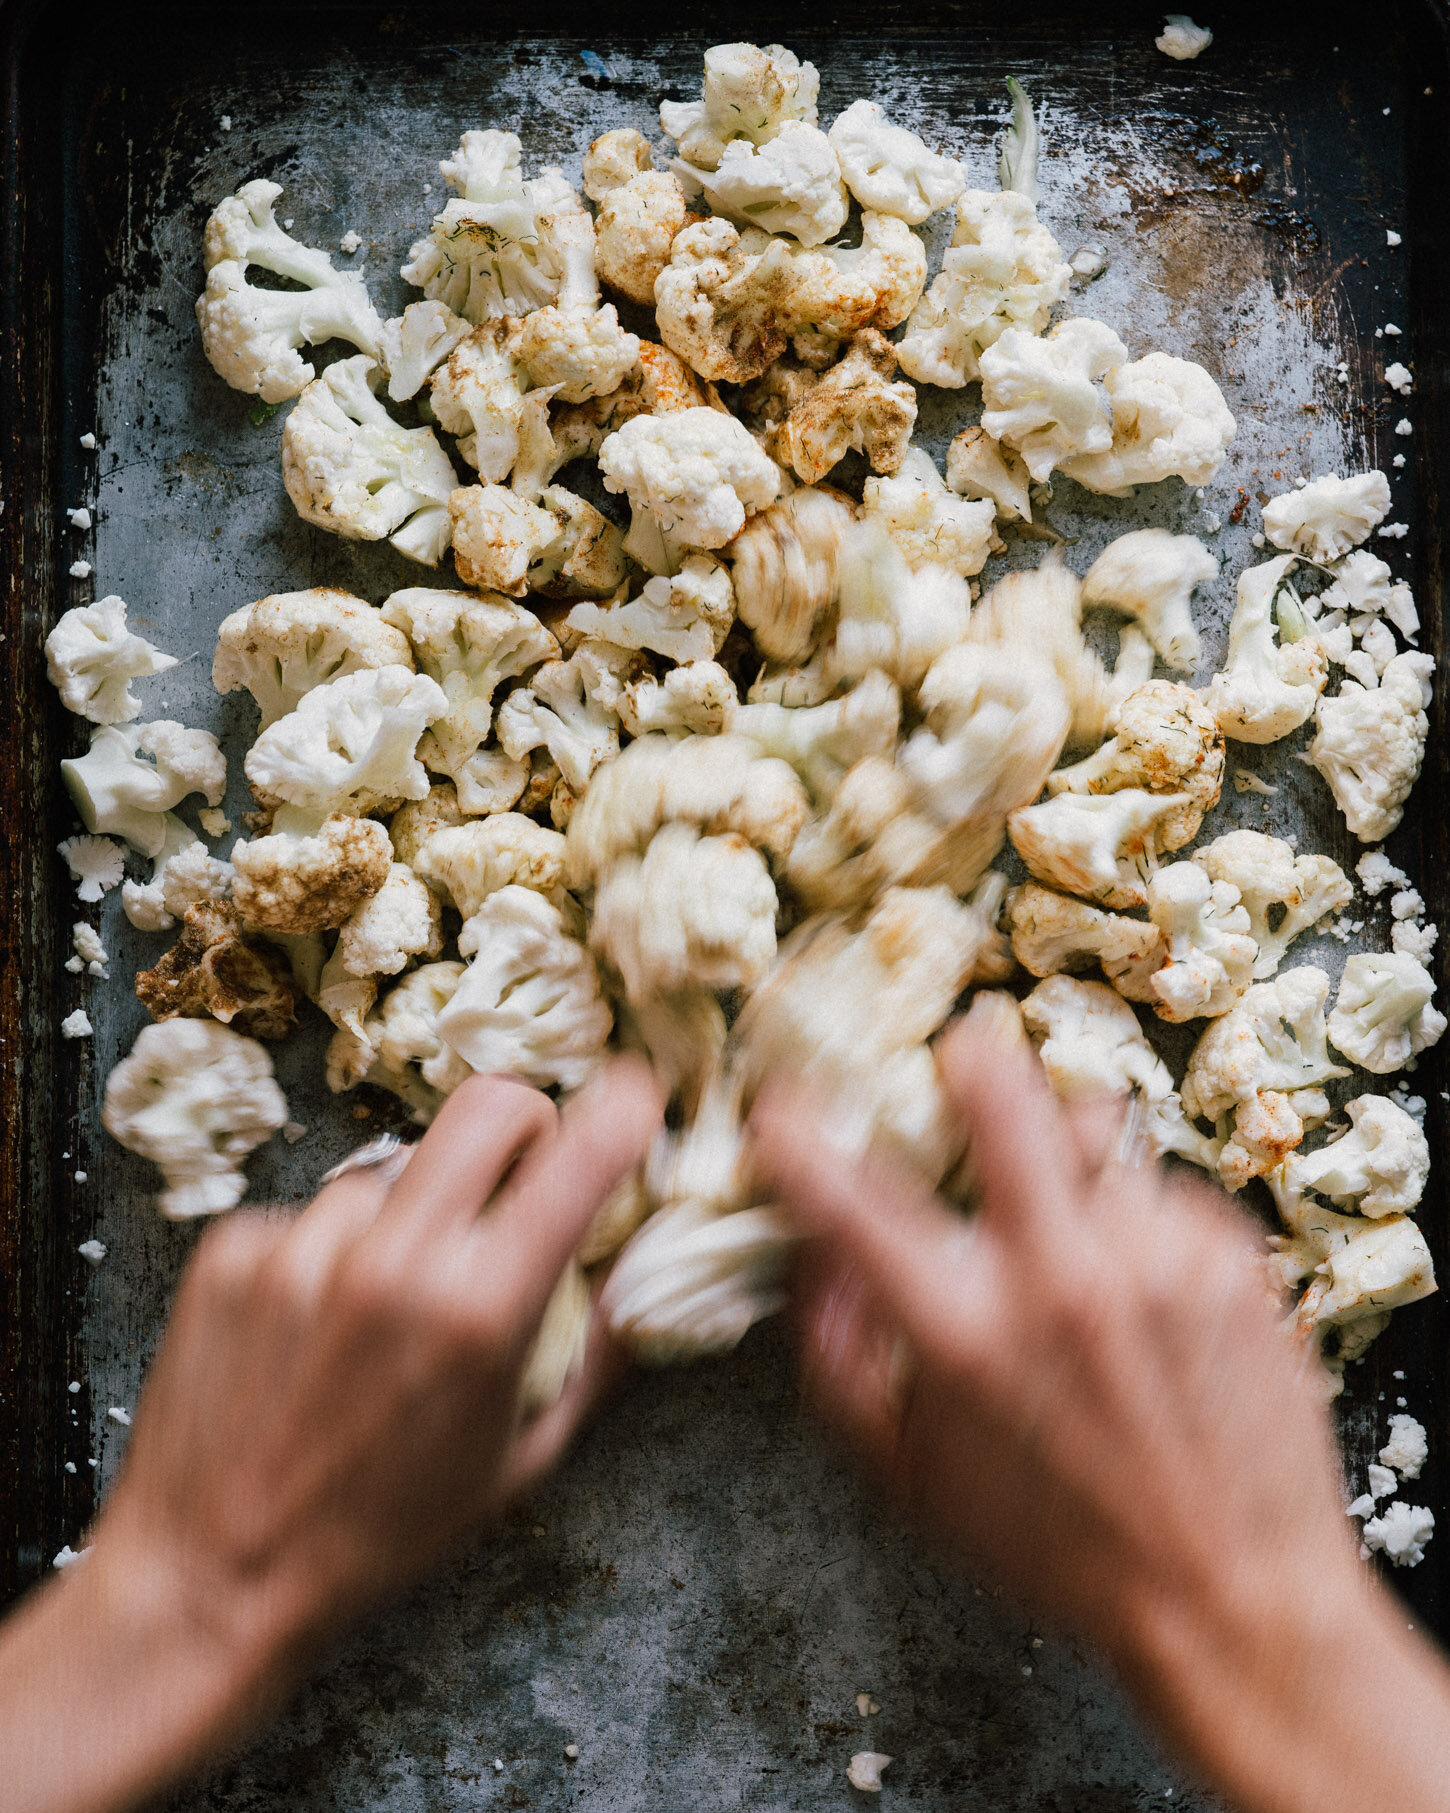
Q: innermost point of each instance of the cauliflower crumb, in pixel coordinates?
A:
(81, 569)
(1404, 427)
(214, 821)
(79, 519)
(350, 241)
(1400, 1534)
(68, 1557)
(292, 1131)
(96, 864)
(92, 1251)
(1392, 238)
(119, 1415)
(88, 441)
(866, 1707)
(1408, 1448)
(864, 1770)
(1399, 378)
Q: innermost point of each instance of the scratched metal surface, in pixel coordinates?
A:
(698, 1599)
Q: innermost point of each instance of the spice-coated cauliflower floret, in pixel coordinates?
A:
(790, 184)
(685, 616)
(1169, 421)
(528, 1005)
(660, 382)
(822, 742)
(1267, 686)
(1383, 1015)
(692, 912)
(1274, 1037)
(1002, 270)
(416, 820)
(195, 1098)
(692, 478)
(558, 711)
(1369, 745)
(1165, 742)
(1054, 933)
(888, 616)
(91, 658)
(636, 227)
(183, 873)
(979, 467)
(482, 396)
(349, 745)
(931, 525)
(1090, 1042)
(889, 169)
(251, 335)
(214, 971)
(720, 299)
(576, 353)
(497, 536)
(1150, 576)
(401, 921)
(119, 793)
(785, 562)
(1266, 1129)
(1105, 846)
(414, 344)
(835, 291)
(1379, 1167)
(615, 158)
(1283, 893)
(466, 863)
(586, 558)
(350, 468)
(304, 876)
(284, 645)
(400, 1048)
(1208, 949)
(855, 406)
(1040, 394)
(748, 93)
(693, 699)
(1324, 519)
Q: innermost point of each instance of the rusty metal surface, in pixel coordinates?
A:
(697, 1600)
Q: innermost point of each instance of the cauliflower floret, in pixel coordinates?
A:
(467, 863)
(401, 921)
(497, 536)
(1053, 933)
(1362, 585)
(636, 227)
(1169, 421)
(978, 466)
(195, 1098)
(1273, 1038)
(1383, 1015)
(1165, 742)
(1378, 1168)
(1269, 876)
(1090, 1042)
(696, 698)
(91, 658)
(1324, 519)
(693, 912)
(349, 745)
(889, 169)
(1040, 395)
(528, 1005)
(1359, 1269)
(251, 335)
(120, 794)
(855, 406)
(214, 972)
(286, 644)
(692, 478)
(889, 617)
(719, 298)
(415, 343)
(576, 353)
(480, 396)
(835, 291)
(1002, 270)
(586, 558)
(349, 467)
(822, 742)
(399, 1047)
(685, 616)
(183, 873)
(929, 523)
(1105, 846)
(1266, 688)
(1150, 576)
(614, 159)
(785, 562)
(309, 873)
(558, 711)
(1208, 951)
(95, 863)
(1369, 745)
(790, 184)
(748, 93)
(416, 820)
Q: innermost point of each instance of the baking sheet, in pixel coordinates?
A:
(698, 1600)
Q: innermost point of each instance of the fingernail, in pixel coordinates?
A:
(995, 1016)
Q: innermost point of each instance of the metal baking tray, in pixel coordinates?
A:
(699, 1598)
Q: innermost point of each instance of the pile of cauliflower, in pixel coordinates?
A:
(733, 785)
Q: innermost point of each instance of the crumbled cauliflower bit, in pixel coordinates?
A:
(1208, 949)
(615, 158)
(1181, 39)
(1150, 576)
(195, 1098)
(286, 644)
(576, 353)
(214, 971)
(1408, 1447)
(790, 184)
(251, 335)
(88, 441)
(1361, 585)
(558, 712)
(89, 951)
(1417, 941)
(1284, 894)
(401, 921)
(1273, 1038)
(96, 864)
(1269, 684)
(685, 616)
(1408, 903)
(928, 523)
(467, 863)
(1169, 421)
(692, 478)
(1379, 1167)
(118, 792)
(889, 169)
(1399, 378)
(1383, 1015)
(77, 1025)
(1401, 611)
(854, 406)
(1165, 742)
(91, 657)
(979, 467)
(1329, 516)
(1054, 933)
(1245, 782)
(1370, 744)
(864, 1770)
(748, 93)
(1400, 1533)
(307, 873)
(350, 468)
(785, 563)
(1040, 395)
(183, 873)
(637, 224)
(1382, 1484)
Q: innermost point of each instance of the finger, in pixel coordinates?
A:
(851, 1364)
(539, 1445)
(332, 1223)
(554, 1193)
(1095, 1126)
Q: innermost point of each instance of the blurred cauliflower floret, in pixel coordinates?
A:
(1150, 576)
(786, 564)
(685, 616)
(1283, 893)
(117, 792)
(979, 467)
(1040, 394)
(748, 93)
(872, 837)
(1105, 846)
(468, 862)
(1369, 744)
(91, 658)
(1164, 741)
(399, 1047)
(822, 742)
(888, 616)
(349, 745)
(1383, 1015)
(789, 184)
(387, 931)
(855, 406)
(931, 525)
(692, 478)
(414, 344)
(1090, 1042)
(251, 335)
(889, 169)
(284, 645)
(1054, 933)
(1208, 949)
(214, 971)
(1269, 684)
(1324, 519)
(1169, 421)
(309, 872)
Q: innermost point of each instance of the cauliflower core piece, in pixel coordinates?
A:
(497, 536)
(1053, 933)
(91, 659)
(1327, 517)
(1383, 1015)
(1150, 576)
(1164, 742)
(889, 169)
(305, 875)
(415, 343)
(748, 93)
(1369, 745)
(214, 972)
(855, 406)
(1282, 893)
(288, 643)
(692, 478)
(564, 709)
(1267, 687)
(979, 467)
(195, 1098)
(117, 792)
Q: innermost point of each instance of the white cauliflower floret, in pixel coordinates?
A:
(466, 863)
(1362, 585)
(854, 406)
(349, 745)
(307, 873)
(634, 231)
(1324, 519)
(1164, 741)
(284, 645)
(748, 93)
(1383, 1015)
(1105, 846)
(350, 468)
(558, 711)
(685, 616)
(401, 921)
(183, 873)
(528, 1004)
(791, 184)
(1399, 1533)
(399, 1047)
(888, 616)
(1150, 576)
(929, 523)
(1053, 933)
(1369, 745)
(1273, 1038)
(1208, 950)
(1040, 395)
(889, 169)
(482, 396)
(1283, 893)
(470, 646)
(615, 158)
(119, 793)
(696, 698)
(693, 912)
(1090, 1042)
(195, 1098)
(1002, 270)
(91, 658)
(576, 353)
(1169, 421)
(1267, 687)
(692, 478)
(821, 742)
(978, 466)
(1378, 1168)
(251, 335)
(415, 343)
(785, 563)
